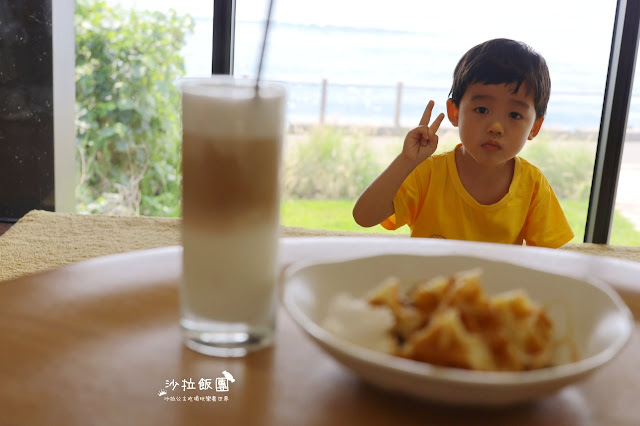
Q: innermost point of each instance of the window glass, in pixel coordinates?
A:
(360, 73)
(626, 223)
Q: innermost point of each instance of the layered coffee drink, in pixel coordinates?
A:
(232, 142)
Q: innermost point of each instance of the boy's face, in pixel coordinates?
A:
(494, 123)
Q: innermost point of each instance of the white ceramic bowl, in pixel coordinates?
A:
(590, 313)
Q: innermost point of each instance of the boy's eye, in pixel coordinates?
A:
(482, 110)
(515, 115)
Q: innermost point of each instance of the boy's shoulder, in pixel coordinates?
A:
(530, 172)
(436, 161)
(446, 154)
(443, 157)
(528, 167)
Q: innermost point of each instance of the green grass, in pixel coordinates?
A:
(623, 232)
(336, 215)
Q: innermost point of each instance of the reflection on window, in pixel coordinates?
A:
(26, 108)
(360, 73)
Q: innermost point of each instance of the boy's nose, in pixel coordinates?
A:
(495, 128)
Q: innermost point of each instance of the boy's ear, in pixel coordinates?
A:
(536, 128)
(452, 112)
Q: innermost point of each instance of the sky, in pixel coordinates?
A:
(405, 14)
(492, 18)
(563, 31)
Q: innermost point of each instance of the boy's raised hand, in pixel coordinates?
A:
(421, 142)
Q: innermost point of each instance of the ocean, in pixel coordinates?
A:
(363, 68)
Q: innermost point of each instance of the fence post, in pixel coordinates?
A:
(323, 100)
(398, 103)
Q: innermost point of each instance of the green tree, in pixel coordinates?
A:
(128, 109)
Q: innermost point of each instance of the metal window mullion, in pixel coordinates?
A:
(613, 124)
(224, 16)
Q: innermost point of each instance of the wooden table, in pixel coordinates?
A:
(95, 342)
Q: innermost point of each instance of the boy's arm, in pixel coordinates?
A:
(376, 202)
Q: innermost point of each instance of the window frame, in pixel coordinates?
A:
(224, 20)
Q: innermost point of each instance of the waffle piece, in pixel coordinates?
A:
(408, 318)
(450, 321)
(445, 341)
(528, 329)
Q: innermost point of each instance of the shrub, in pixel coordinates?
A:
(567, 167)
(128, 109)
(328, 165)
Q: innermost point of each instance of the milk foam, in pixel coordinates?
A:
(224, 112)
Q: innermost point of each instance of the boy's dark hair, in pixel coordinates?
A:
(504, 61)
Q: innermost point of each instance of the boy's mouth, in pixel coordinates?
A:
(491, 146)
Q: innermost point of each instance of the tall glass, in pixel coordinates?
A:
(231, 156)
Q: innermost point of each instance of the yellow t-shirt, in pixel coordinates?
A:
(434, 203)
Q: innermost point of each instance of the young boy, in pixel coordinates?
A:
(480, 191)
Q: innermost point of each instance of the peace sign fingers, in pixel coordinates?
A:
(426, 115)
(421, 142)
(436, 123)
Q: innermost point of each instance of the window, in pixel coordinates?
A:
(366, 72)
